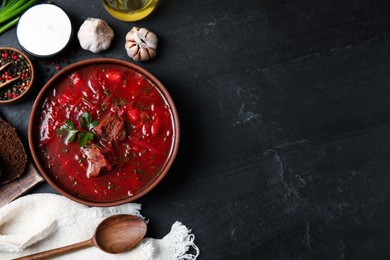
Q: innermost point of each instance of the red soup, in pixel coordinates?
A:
(105, 133)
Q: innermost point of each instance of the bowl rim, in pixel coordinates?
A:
(27, 91)
(88, 62)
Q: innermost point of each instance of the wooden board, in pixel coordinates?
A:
(19, 186)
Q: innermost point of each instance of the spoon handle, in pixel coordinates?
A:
(5, 83)
(57, 251)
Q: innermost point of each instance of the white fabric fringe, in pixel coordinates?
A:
(41, 222)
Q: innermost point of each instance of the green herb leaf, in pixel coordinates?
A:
(70, 125)
(93, 124)
(62, 131)
(84, 138)
(86, 121)
(70, 137)
(68, 130)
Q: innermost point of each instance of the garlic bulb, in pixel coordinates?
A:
(141, 44)
(95, 35)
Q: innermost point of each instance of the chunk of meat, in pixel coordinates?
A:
(111, 128)
(97, 163)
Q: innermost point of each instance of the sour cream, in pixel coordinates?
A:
(44, 30)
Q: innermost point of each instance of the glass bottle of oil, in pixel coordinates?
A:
(130, 10)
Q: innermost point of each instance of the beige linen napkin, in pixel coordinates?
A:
(40, 222)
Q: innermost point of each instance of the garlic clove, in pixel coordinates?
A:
(144, 54)
(133, 51)
(152, 53)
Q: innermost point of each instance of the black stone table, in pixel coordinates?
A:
(285, 123)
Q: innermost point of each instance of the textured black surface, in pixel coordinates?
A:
(285, 123)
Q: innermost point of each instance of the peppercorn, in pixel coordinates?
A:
(20, 67)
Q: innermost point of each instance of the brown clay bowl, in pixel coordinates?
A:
(131, 174)
(21, 91)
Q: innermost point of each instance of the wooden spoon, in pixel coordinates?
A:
(5, 83)
(116, 234)
(6, 65)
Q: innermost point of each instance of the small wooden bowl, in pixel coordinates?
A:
(8, 54)
(34, 129)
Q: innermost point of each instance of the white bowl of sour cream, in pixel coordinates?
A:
(44, 30)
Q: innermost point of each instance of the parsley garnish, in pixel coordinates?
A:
(86, 121)
(84, 135)
(68, 130)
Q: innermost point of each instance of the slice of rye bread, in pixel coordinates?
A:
(13, 157)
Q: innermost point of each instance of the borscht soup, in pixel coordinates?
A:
(104, 132)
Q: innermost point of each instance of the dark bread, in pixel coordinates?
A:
(13, 157)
